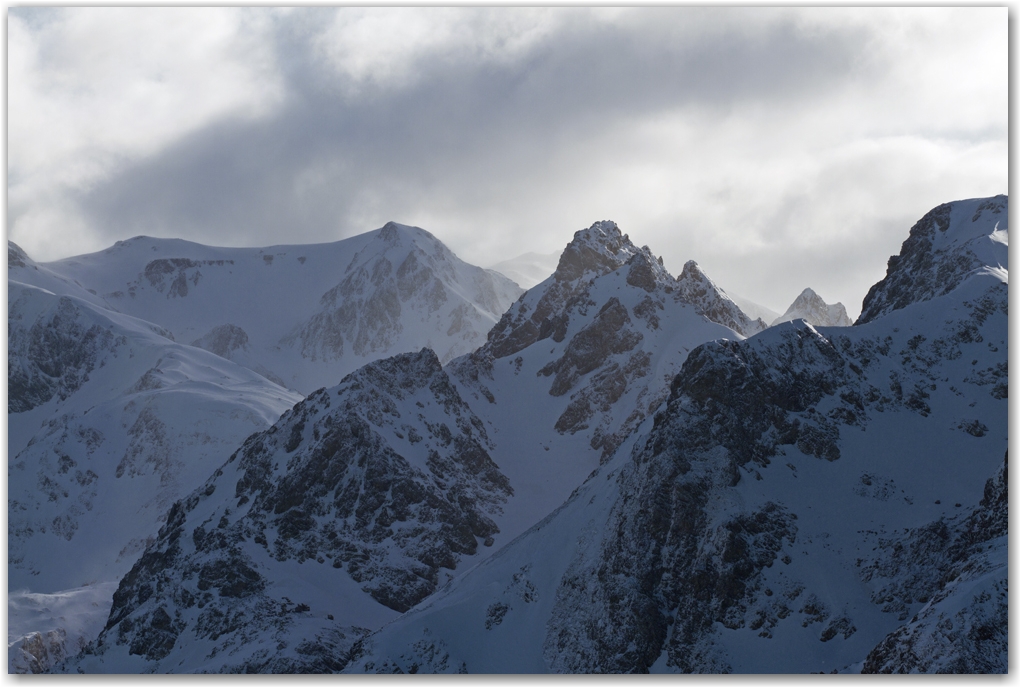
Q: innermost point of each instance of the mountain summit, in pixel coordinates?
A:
(810, 306)
(699, 290)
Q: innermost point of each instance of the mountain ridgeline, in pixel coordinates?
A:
(623, 473)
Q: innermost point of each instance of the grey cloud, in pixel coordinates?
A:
(461, 134)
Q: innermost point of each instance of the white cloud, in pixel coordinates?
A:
(781, 148)
(91, 88)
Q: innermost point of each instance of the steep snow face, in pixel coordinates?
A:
(696, 288)
(945, 246)
(810, 306)
(307, 314)
(353, 507)
(801, 496)
(529, 269)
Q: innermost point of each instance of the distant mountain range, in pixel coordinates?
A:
(617, 470)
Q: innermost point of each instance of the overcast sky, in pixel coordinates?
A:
(780, 148)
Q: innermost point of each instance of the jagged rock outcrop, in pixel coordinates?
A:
(608, 329)
(696, 288)
(223, 340)
(810, 306)
(371, 488)
(948, 243)
(539, 313)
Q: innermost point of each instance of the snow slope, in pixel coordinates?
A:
(303, 316)
(802, 495)
(109, 423)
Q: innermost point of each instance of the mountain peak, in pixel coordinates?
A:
(696, 288)
(811, 307)
(597, 250)
(948, 243)
(395, 233)
(593, 252)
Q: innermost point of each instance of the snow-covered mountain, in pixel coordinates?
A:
(303, 316)
(529, 269)
(810, 306)
(112, 420)
(366, 497)
(347, 511)
(576, 363)
(943, 249)
(811, 499)
(616, 481)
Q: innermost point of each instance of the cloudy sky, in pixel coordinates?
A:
(780, 148)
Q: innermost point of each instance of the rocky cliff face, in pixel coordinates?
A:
(379, 486)
(408, 276)
(810, 306)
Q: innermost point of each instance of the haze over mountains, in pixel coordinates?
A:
(618, 470)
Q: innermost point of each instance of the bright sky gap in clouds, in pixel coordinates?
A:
(780, 148)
